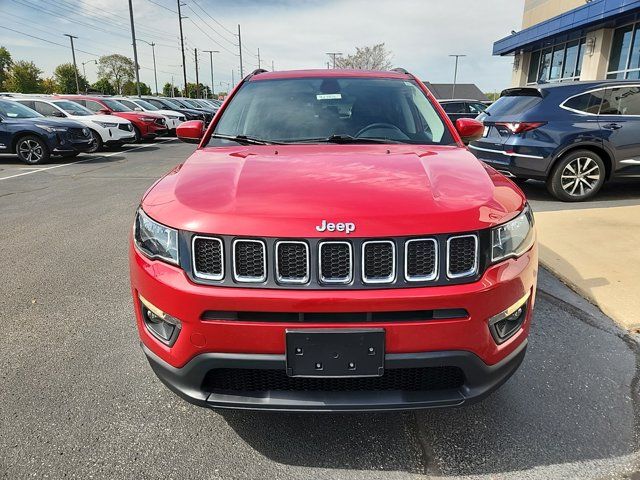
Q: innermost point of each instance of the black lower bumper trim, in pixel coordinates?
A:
(480, 380)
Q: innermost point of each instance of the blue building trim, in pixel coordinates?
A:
(587, 16)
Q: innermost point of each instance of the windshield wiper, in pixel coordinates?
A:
(347, 139)
(245, 139)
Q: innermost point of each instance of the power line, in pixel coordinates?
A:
(208, 15)
(212, 29)
(48, 41)
(162, 6)
(211, 38)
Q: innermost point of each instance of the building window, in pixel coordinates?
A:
(624, 61)
(563, 62)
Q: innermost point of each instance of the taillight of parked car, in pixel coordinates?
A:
(520, 127)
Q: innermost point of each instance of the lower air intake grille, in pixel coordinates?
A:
(378, 262)
(292, 260)
(421, 261)
(401, 379)
(462, 258)
(336, 262)
(207, 258)
(249, 261)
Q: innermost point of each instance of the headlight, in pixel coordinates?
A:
(50, 129)
(148, 119)
(513, 238)
(106, 124)
(155, 240)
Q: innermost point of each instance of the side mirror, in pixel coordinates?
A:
(104, 111)
(469, 129)
(191, 131)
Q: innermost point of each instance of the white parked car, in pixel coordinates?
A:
(106, 131)
(173, 118)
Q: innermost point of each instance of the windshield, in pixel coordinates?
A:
(191, 103)
(10, 109)
(316, 109)
(146, 105)
(181, 103)
(115, 106)
(170, 103)
(73, 108)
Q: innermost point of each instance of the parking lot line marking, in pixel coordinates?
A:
(84, 160)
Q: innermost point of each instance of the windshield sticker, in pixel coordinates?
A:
(329, 96)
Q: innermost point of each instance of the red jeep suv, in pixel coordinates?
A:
(333, 246)
(145, 125)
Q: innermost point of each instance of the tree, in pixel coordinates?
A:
(197, 91)
(49, 85)
(129, 88)
(117, 69)
(65, 76)
(367, 58)
(5, 64)
(166, 90)
(104, 87)
(23, 77)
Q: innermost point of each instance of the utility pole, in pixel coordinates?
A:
(84, 74)
(195, 54)
(184, 63)
(155, 72)
(455, 75)
(211, 52)
(240, 50)
(333, 56)
(75, 67)
(172, 87)
(135, 49)
(233, 80)
(273, 68)
(259, 63)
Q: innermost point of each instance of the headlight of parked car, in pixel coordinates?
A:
(50, 129)
(148, 119)
(106, 124)
(513, 238)
(154, 239)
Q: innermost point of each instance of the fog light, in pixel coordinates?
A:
(160, 324)
(505, 324)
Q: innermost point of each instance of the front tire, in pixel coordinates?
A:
(32, 150)
(577, 177)
(97, 142)
(138, 135)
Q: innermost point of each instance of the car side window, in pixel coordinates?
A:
(129, 104)
(477, 107)
(47, 110)
(456, 107)
(589, 102)
(94, 106)
(155, 102)
(621, 101)
(29, 104)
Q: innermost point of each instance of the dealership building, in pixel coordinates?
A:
(564, 40)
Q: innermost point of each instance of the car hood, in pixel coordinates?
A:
(135, 116)
(168, 113)
(52, 122)
(285, 191)
(102, 119)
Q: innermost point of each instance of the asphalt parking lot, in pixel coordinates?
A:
(78, 399)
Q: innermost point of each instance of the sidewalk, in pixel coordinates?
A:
(597, 253)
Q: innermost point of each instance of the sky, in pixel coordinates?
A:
(293, 34)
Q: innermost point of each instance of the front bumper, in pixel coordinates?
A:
(153, 130)
(65, 143)
(480, 380)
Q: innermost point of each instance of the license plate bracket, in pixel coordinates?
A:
(335, 353)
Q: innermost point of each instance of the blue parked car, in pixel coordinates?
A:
(574, 135)
(35, 138)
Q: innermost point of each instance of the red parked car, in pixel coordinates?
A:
(145, 125)
(332, 245)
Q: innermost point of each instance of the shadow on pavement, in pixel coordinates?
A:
(571, 401)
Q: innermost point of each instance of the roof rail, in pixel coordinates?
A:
(400, 70)
(258, 71)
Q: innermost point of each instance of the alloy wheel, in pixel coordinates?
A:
(31, 151)
(580, 176)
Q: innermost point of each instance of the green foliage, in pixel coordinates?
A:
(104, 87)
(376, 57)
(166, 90)
(5, 64)
(49, 85)
(65, 76)
(117, 69)
(129, 88)
(198, 91)
(23, 77)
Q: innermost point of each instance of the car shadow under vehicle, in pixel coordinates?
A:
(574, 402)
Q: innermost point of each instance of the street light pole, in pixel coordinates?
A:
(195, 53)
(75, 66)
(135, 49)
(153, 52)
(333, 56)
(211, 52)
(455, 75)
(84, 73)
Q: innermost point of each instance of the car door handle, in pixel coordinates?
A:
(612, 126)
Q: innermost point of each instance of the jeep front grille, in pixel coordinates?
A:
(349, 263)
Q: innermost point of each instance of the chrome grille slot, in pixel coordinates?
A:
(249, 261)
(421, 260)
(462, 256)
(335, 262)
(292, 262)
(378, 261)
(208, 258)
